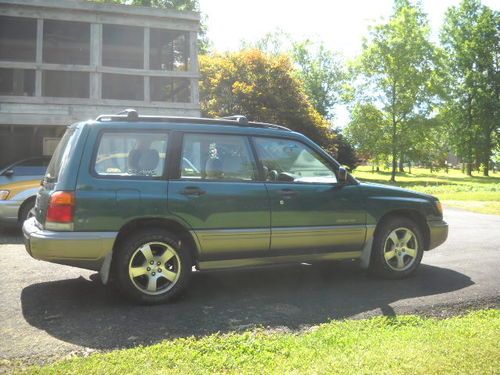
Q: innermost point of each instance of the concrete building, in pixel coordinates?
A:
(63, 61)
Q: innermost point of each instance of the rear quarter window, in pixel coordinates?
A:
(131, 154)
(61, 155)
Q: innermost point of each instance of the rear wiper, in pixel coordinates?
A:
(49, 179)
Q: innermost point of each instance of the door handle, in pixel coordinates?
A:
(193, 190)
(287, 193)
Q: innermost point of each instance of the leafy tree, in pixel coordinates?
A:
(346, 153)
(181, 5)
(262, 87)
(368, 131)
(397, 66)
(322, 71)
(471, 38)
(323, 74)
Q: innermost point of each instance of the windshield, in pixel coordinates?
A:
(60, 155)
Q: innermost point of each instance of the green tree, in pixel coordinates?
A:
(471, 38)
(369, 132)
(322, 71)
(397, 66)
(262, 87)
(323, 74)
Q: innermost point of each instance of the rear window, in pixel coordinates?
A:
(131, 154)
(61, 155)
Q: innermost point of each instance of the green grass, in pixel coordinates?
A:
(382, 345)
(453, 188)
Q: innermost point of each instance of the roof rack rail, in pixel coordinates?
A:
(240, 119)
(236, 120)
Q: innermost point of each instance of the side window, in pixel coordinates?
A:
(291, 161)
(131, 154)
(32, 167)
(217, 157)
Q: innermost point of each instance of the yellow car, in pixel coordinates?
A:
(19, 184)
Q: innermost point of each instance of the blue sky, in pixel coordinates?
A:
(340, 24)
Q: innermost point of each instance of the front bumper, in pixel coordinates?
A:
(9, 210)
(79, 249)
(438, 233)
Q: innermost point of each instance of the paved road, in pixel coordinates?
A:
(49, 310)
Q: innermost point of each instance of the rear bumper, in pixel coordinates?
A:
(79, 249)
(438, 233)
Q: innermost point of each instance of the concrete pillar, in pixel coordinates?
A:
(95, 60)
(147, 97)
(193, 66)
(39, 53)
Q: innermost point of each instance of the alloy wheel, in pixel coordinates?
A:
(154, 268)
(400, 249)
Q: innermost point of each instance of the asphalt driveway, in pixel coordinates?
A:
(50, 311)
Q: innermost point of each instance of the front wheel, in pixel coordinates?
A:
(397, 249)
(151, 267)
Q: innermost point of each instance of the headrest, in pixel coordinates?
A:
(148, 160)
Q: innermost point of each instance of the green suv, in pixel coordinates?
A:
(145, 199)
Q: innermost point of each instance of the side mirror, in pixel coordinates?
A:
(8, 173)
(342, 175)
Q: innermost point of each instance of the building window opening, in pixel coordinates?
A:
(169, 50)
(122, 87)
(166, 89)
(66, 42)
(65, 84)
(17, 38)
(17, 82)
(123, 46)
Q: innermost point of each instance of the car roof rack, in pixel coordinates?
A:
(235, 120)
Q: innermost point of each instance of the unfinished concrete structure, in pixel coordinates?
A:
(63, 61)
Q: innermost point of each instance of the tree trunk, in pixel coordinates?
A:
(486, 165)
(401, 165)
(469, 169)
(463, 167)
(394, 166)
(409, 166)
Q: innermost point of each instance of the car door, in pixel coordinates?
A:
(217, 193)
(310, 211)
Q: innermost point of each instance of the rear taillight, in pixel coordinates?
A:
(61, 210)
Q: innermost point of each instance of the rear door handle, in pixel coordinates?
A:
(287, 193)
(193, 190)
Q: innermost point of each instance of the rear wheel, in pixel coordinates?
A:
(151, 267)
(397, 248)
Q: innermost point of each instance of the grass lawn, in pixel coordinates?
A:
(382, 345)
(477, 193)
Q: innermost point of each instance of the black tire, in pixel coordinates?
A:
(25, 210)
(128, 256)
(383, 246)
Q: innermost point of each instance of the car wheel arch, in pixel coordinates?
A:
(171, 225)
(414, 215)
(23, 205)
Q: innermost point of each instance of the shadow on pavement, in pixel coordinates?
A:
(10, 234)
(87, 313)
